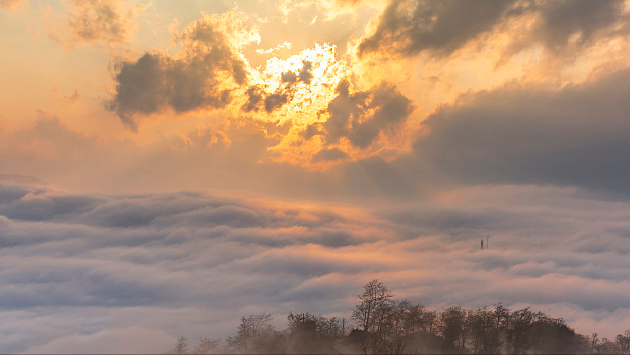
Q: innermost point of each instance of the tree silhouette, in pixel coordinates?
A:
(389, 326)
(181, 345)
(374, 300)
(255, 333)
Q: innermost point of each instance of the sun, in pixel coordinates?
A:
(295, 91)
(305, 81)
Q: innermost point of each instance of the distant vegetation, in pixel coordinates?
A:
(384, 325)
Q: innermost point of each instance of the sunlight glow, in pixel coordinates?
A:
(307, 99)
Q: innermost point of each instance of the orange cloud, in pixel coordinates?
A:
(108, 21)
(9, 4)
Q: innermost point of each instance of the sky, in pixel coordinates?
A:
(169, 167)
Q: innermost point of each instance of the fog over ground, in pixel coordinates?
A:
(129, 273)
(169, 167)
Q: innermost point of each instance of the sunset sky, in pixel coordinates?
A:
(167, 167)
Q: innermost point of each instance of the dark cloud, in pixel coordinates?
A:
(198, 79)
(578, 136)
(275, 101)
(305, 74)
(311, 131)
(331, 154)
(255, 96)
(289, 77)
(409, 27)
(361, 116)
(562, 19)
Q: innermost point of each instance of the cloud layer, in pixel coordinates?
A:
(193, 263)
(578, 136)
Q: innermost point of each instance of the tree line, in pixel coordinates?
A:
(385, 325)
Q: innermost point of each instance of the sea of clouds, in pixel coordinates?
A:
(129, 273)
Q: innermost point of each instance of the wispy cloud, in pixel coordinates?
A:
(88, 22)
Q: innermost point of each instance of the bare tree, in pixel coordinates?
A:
(207, 346)
(453, 326)
(518, 329)
(622, 340)
(181, 345)
(253, 331)
(375, 296)
(486, 328)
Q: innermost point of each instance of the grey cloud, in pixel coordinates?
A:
(331, 154)
(41, 208)
(305, 74)
(11, 192)
(361, 116)
(275, 101)
(565, 18)
(254, 97)
(289, 77)
(156, 81)
(578, 136)
(407, 28)
(51, 283)
(311, 131)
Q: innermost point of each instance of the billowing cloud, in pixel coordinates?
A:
(409, 27)
(200, 77)
(362, 115)
(80, 268)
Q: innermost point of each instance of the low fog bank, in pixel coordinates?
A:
(129, 273)
(385, 325)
